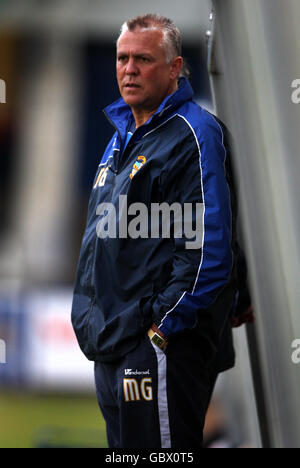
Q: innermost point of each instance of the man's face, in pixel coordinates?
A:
(144, 77)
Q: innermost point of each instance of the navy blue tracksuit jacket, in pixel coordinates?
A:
(124, 284)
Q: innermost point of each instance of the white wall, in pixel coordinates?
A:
(104, 17)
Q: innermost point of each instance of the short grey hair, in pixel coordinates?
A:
(171, 33)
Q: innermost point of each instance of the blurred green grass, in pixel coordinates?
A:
(50, 420)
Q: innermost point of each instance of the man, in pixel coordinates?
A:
(152, 302)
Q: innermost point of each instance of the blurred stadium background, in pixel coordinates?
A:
(57, 60)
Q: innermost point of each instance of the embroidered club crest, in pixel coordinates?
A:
(137, 165)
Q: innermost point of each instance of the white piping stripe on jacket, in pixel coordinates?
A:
(156, 128)
(162, 398)
(203, 230)
(203, 199)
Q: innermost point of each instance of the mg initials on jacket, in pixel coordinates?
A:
(133, 391)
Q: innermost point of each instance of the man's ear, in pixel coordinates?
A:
(176, 67)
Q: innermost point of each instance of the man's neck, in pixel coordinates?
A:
(141, 117)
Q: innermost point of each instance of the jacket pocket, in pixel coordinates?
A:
(82, 315)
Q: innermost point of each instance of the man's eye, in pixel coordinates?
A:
(122, 58)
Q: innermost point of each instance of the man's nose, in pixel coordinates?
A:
(131, 68)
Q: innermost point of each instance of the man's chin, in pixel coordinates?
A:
(132, 94)
(133, 101)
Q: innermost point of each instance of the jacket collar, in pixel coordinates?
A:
(120, 114)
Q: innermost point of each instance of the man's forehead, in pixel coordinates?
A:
(141, 40)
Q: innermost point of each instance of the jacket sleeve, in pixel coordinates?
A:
(201, 266)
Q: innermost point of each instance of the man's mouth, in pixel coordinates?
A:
(131, 85)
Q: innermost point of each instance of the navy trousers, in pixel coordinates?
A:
(156, 399)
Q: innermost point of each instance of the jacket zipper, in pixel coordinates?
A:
(120, 140)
